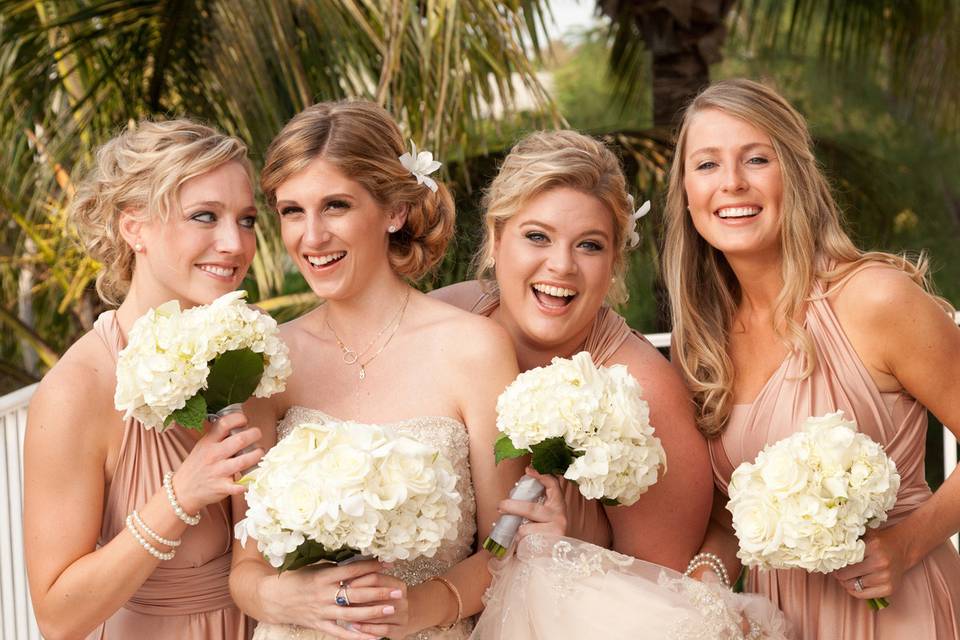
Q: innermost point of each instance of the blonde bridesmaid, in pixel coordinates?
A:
(127, 530)
(777, 317)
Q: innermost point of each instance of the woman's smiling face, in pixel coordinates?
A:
(733, 182)
(554, 264)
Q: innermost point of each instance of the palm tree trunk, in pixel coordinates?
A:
(677, 78)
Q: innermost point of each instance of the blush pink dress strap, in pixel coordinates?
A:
(926, 606)
(187, 597)
(587, 520)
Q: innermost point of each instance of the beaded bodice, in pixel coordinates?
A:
(449, 437)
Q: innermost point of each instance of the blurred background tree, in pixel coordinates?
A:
(878, 81)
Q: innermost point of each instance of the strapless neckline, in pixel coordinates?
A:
(392, 423)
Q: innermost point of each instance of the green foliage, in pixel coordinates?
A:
(311, 552)
(552, 456)
(192, 415)
(583, 88)
(503, 449)
(233, 378)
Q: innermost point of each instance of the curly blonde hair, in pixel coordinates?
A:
(704, 291)
(547, 160)
(140, 172)
(363, 141)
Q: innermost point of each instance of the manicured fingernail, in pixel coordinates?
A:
(389, 610)
(396, 594)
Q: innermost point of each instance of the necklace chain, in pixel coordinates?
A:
(351, 357)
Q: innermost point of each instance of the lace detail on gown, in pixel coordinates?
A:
(566, 588)
(447, 435)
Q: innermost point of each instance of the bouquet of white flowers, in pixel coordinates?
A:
(334, 490)
(807, 499)
(178, 366)
(589, 424)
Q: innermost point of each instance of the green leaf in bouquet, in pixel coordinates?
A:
(552, 456)
(610, 502)
(192, 415)
(233, 378)
(311, 552)
(503, 449)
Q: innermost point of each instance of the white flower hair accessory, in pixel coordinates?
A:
(634, 218)
(421, 165)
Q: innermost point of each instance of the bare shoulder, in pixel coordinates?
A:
(880, 299)
(298, 332)
(75, 394)
(469, 335)
(462, 294)
(651, 369)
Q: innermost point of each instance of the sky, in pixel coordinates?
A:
(571, 14)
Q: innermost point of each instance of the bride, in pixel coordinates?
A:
(558, 227)
(360, 224)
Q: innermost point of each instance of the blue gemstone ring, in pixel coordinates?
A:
(341, 598)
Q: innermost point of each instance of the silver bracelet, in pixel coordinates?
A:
(153, 534)
(152, 550)
(172, 497)
(755, 631)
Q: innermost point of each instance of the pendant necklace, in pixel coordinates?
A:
(351, 357)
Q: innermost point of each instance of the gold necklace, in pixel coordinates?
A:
(351, 357)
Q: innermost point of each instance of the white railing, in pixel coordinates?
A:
(16, 612)
(17, 619)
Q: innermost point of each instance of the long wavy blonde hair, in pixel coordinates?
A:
(705, 293)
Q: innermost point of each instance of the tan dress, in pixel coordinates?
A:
(586, 519)
(449, 437)
(926, 606)
(187, 597)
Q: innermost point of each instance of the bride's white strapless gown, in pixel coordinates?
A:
(449, 437)
(555, 587)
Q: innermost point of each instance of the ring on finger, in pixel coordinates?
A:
(858, 585)
(341, 599)
(343, 624)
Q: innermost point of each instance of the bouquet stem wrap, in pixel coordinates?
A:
(528, 489)
(236, 407)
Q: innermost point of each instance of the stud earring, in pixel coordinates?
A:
(138, 247)
(391, 229)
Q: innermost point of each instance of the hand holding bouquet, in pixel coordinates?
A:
(807, 499)
(586, 423)
(179, 366)
(336, 490)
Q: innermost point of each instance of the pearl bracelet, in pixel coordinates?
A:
(712, 561)
(456, 594)
(152, 550)
(172, 497)
(153, 534)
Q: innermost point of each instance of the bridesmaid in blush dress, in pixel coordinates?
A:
(169, 212)
(558, 223)
(777, 317)
(558, 228)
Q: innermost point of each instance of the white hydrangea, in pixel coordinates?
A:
(355, 486)
(807, 499)
(602, 416)
(166, 360)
